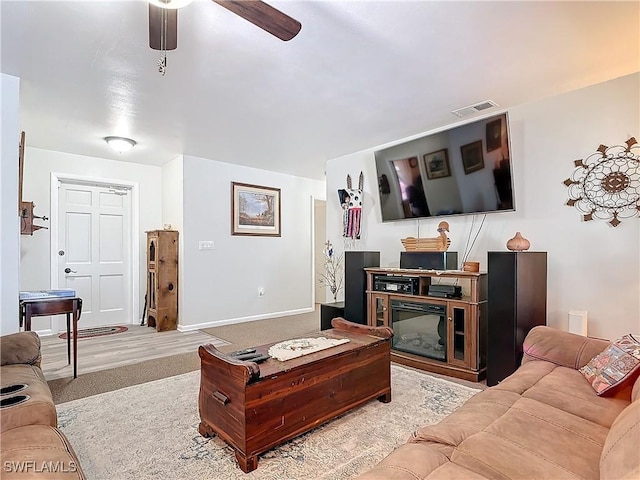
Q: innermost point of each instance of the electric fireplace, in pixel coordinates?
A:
(420, 328)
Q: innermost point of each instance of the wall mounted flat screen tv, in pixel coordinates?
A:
(461, 170)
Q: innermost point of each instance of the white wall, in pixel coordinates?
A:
(172, 212)
(10, 235)
(172, 194)
(221, 285)
(591, 265)
(35, 249)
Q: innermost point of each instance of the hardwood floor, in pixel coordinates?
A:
(135, 345)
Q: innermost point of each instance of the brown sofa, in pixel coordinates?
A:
(31, 447)
(544, 422)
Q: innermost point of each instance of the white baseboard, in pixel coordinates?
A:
(48, 332)
(253, 318)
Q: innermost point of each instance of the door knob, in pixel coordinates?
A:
(68, 270)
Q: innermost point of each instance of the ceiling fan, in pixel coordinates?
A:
(163, 20)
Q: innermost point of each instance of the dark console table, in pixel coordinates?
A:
(40, 307)
(329, 311)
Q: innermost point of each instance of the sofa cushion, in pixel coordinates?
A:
(618, 364)
(38, 452)
(415, 461)
(39, 409)
(563, 388)
(20, 348)
(500, 434)
(534, 440)
(474, 416)
(526, 377)
(567, 390)
(620, 458)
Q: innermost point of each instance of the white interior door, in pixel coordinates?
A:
(94, 251)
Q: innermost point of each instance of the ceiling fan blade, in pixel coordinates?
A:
(264, 16)
(157, 18)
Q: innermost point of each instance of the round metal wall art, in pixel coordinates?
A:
(606, 184)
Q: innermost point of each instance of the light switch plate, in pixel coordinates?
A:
(206, 245)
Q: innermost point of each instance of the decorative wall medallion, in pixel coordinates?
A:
(606, 184)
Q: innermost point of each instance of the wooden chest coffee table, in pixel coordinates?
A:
(255, 407)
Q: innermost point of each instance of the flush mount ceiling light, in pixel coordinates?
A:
(120, 144)
(170, 4)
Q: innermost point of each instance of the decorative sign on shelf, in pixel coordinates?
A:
(606, 184)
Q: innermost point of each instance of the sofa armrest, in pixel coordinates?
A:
(20, 348)
(559, 347)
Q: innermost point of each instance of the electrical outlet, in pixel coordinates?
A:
(206, 245)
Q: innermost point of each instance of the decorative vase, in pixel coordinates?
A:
(518, 243)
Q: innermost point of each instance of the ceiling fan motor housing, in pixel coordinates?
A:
(163, 20)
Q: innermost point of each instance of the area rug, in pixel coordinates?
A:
(150, 431)
(97, 331)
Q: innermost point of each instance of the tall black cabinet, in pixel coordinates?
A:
(355, 283)
(517, 302)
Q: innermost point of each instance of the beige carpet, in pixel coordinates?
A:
(150, 431)
(239, 335)
(260, 332)
(67, 389)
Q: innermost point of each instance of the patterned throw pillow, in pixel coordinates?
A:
(612, 368)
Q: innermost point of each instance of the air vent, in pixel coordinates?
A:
(478, 107)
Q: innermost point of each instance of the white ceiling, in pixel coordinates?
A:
(358, 75)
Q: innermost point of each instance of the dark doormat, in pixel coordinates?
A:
(97, 331)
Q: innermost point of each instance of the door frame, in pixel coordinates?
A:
(134, 228)
(317, 290)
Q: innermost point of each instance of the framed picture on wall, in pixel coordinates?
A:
(494, 135)
(255, 210)
(472, 158)
(437, 164)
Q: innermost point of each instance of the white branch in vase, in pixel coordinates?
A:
(333, 277)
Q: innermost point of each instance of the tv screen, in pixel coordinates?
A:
(461, 170)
